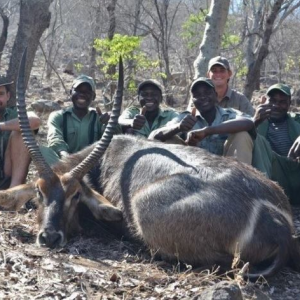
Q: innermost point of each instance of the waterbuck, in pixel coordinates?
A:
(181, 201)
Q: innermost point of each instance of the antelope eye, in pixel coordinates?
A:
(76, 197)
(39, 194)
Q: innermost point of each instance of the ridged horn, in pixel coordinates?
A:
(93, 158)
(43, 168)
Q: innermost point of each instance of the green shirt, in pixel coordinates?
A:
(9, 114)
(276, 167)
(78, 133)
(213, 143)
(164, 116)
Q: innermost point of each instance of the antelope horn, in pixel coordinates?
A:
(90, 161)
(43, 168)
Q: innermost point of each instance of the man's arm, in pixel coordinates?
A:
(55, 137)
(228, 127)
(133, 118)
(13, 124)
(168, 131)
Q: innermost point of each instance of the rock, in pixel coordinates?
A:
(47, 89)
(223, 290)
(43, 105)
(69, 69)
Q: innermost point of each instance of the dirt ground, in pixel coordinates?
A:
(105, 267)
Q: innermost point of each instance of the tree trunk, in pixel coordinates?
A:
(3, 36)
(34, 20)
(253, 75)
(137, 14)
(211, 42)
(112, 28)
(95, 34)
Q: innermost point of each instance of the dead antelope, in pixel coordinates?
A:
(181, 201)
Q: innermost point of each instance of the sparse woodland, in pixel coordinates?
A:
(171, 41)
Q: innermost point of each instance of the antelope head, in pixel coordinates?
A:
(58, 191)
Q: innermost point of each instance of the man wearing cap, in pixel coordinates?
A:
(14, 156)
(277, 146)
(211, 127)
(73, 128)
(219, 72)
(149, 115)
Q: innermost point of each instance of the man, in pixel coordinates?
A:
(277, 146)
(211, 127)
(150, 115)
(14, 156)
(219, 72)
(73, 128)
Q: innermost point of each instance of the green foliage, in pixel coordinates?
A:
(129, 47)
(193, 28)
(291, 63)
(230, 40)
(78, 67)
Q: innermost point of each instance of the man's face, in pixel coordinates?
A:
(82, 96)
(150, 97)
(219, 75)
(4, 97)
(204, 97)
(279, 103)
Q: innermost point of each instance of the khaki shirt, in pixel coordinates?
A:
(164, 116)
(237, 100)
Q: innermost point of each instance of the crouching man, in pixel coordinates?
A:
(277, 146)
(14, 156)
(221, 131)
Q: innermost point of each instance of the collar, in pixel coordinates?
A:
(228, 93)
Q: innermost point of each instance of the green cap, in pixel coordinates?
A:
(281, 87)
(205, 80)
(5, 81)
(150, 82)
(219, 60)
(84, 79)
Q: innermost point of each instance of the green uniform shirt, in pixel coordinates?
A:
(164, 116)
(213, 143)
(276, 167)
(9, 114)
(78, 133)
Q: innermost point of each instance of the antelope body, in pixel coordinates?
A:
(181, 201)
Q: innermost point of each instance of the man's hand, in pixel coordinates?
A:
(63, 154)
(196, 136)
(138, 122)
(104, 118)
(294, 152)
(187, 123)
(262, 112)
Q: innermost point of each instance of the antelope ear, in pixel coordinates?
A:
(17, 196)
(100, 207)
(108, 213)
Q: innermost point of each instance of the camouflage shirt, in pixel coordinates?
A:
(213, 143)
